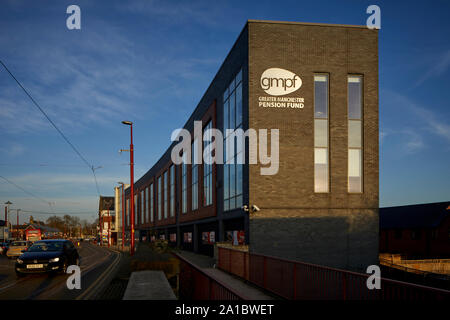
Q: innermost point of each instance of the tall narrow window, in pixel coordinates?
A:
(172, 190)
(127, 212)
(194, 178)
(146, 205)
(135, 208)
(232, 170)
(355, 134)
(207, 168)
(184, 184)
(166, 198)
(321, 167)
(141, 212)
(159, 198)
(151, 202)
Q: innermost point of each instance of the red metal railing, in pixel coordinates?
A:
(196, 284)
(297, 280)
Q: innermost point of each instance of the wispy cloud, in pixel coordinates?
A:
(439, 67)
(425, 116)
(414, 141)
(11, 149)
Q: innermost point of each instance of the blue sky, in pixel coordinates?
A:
(151, 61)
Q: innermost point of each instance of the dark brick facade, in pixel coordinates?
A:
(337, 228)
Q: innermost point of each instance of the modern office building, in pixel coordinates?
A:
(317, 202)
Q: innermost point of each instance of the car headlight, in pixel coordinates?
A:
(19, 261)
(54, 259)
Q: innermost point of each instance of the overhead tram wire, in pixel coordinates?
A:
(55, 213)
(54, 125)
(26, 191)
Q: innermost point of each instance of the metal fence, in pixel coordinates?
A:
(297, 280)
(196, 284)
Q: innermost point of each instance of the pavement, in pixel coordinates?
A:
(149, 285)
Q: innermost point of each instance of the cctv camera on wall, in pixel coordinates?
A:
(255, 208)
(245, 208)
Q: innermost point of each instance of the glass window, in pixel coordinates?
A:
(354, 97)
(355, 134)
(194, 179)
(233, 172)
(321, 173)
(159, 198)
(321, 169)
(172, 190)
(127, 212)
(238, 105)
(184, 184)
(141, 212)
(207, 170)
(320, 96)
(151, 203)
(146, 206)
(354, 170)
(166, 199)
(135, 208)
(321, 133)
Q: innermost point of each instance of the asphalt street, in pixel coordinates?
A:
(98, 266)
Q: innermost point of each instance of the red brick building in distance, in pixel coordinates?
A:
(416, 231)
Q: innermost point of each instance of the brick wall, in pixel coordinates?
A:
(337, 229)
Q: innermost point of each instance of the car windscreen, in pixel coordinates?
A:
(46, 246)
(18, 244)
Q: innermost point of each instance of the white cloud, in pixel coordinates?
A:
(438, 68)
(425, 116)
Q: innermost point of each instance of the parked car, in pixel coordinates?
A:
(17, 247)
(47, 256)
(4, 247)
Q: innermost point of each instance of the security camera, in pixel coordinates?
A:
(245, 208)
(255, 208)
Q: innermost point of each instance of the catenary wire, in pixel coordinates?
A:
(54, 125)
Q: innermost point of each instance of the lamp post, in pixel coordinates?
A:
(123, 213)
(17, 225)
(8, 203)
(129, 123)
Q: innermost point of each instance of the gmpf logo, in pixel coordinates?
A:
(278, 82)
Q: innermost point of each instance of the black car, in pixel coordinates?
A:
(47, 256)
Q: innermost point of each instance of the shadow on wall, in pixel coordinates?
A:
(345, 242)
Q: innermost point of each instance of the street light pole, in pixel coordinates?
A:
(123, 214)
(129, 123)
(8, 203)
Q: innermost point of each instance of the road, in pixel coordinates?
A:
(98, 265)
